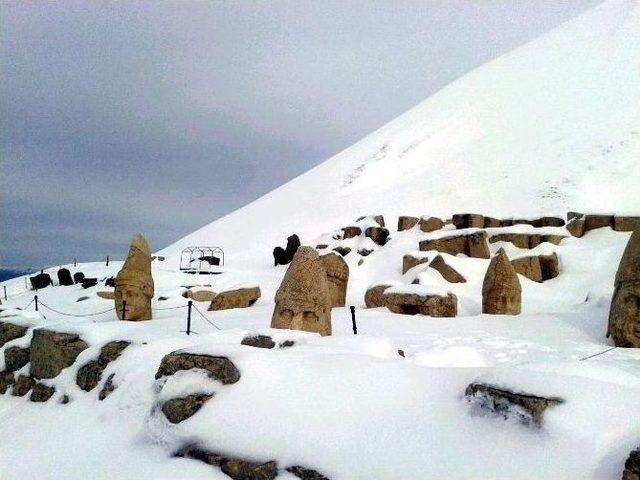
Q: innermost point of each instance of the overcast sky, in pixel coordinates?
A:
(159, 117)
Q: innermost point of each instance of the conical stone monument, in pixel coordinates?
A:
(134, 284)
(303, 301)
(501, 290)
(624, 314)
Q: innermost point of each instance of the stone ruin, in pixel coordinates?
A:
(337, 272)
(134, 283)
(472, 245)
(303, 301)
(501, 290)
(283, 256)
(624, 314)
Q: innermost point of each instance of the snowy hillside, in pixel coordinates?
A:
(550, 127)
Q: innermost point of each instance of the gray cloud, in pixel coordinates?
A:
(160, 117)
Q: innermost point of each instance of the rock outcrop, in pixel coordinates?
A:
(406, 223)
(430, 224)
(529, 267)
(501, 290)
(22, 386)
(177, 410)
(15, 358)
(302, 301)
(134, 284)
(449, 273)
(51, 352)
(218, 368)
(41, 392)
(472, 245)
(374, 296)
(337, 272)
(238, 298)
(427, 304)
(89, 374)
(528, 409)
(624, 314)
(10, 331)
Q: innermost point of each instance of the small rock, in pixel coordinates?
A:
(108, 387)
(406, 223)
(22, 386)
(576, 227)
(219, 368)
(351, 232)
(632, 466)
(430, 224)
(179, 409)
(549, 266)
(344, 251)
(82, 299)
(409, 261)
(374, 297)
(364, 252)
(239, 298)
(78, 277)
(41, 392)
(7, 379)
(379, 235)
(106, 295)
(89, 282)
(40, 281)
(15, 358)
(305, 473)
(258, 341)
(286, 344)
(529, 267)
(235, 468)
(11, 331)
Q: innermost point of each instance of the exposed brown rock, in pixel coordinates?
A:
(11, 331)
(549, 266)
(379, 219)
(374, 297)
(624, 314)
(576, 227)
(15, 358)
(526, 240)
(90, 374)
(468, 220)
(529, 409)
(501, 291)
(22, 386)
(342, 250)
(552, 222)
(430, 224)
(412, 304)
(179, 409)
(235, 468)
(572, 215)
(490, 222)
(337, 277)
(7, 379)
(409, 261)
(626, 224)
(258, 341)
(200, 295)
(41, 392)
(219, 368)
(379, 235)
(364, 252)
(555, 239)
(108, 388)
(406, 223)
(591, 222)
(529, 267)
(134, 284)
(448, 272)
(302, 301)
(305, 473)
(51, 352)
(239, 298)
(632, 466)
(351, 231)
(472, 245)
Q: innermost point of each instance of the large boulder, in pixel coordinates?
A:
(473, 245)
(576, 227)
(626, 224)
(549, 266)
(624, 314)
(529, 267)
(238, 298)
(374, 296)
(64, 277)
(406, 223)
(90, 373)
(449, 273)
(11, 331)
(302, 301)
(501, 290)
(134, 283)
(427, 304)
(218, 368)
(351, 232)
(411, 260)
(591, 222)
(337, 277)
(468, 220)
(430, 224)
(528, 409)
(51, 352)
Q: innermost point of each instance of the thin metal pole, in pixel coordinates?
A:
(189, 304)
(107, 260)
(124, 310)
(75, 262)
(5, 292)
(353, 319)
(35, 298)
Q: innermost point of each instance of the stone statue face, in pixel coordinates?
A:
(138, 298)
(624, 317)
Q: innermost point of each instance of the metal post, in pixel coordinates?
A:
(5, 292)
(189, 304)
(75, 262)
(124, 310)
(35, 298)
(107, 260)
(353, 319)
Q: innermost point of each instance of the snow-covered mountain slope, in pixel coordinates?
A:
(550, 127)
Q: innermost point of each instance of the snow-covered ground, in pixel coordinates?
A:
(550, 127)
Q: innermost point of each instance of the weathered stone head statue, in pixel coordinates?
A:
(501, 290)
(624, 315)
(134, 284)
(302, 301)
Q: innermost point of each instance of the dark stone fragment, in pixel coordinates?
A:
(78, 277)
(42, 280)
(89, 374)
(306, 473)
(7, 379)
(108, 388)
(179, 409)
(235, 468)
(219, 368)
(287, 344)
(41, 393)
(15, 358)
(64, 277)
(109, 282)
(22, 386)
(11, 331)
(89, 282)
(51, 352)
(259, 341)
